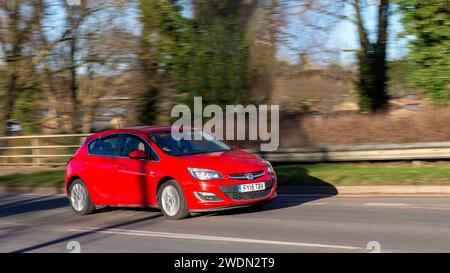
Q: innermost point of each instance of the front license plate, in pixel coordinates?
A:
(252, 187)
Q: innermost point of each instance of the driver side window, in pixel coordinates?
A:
(132, 143)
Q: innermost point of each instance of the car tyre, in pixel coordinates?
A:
(171, 201)
(80, 200)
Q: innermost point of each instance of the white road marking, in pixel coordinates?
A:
(208, 238)
(316, 204)
(404, 206)
(6, 223)
(387, 204)
(431, 208)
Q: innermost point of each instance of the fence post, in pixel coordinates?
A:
(35, 143)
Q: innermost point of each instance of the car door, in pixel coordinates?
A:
(101, 169)
(134, 175)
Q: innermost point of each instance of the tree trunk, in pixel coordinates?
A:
(150, 80)
(379, 68)
(74, 86)
(372, 60)
(13, 57)
(53, 100)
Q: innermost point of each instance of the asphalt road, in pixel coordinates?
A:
(293, 223)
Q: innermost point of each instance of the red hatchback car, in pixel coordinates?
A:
(147, 167)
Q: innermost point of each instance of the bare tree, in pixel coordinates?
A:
(73, 64)
(321, 15)
(16, 19)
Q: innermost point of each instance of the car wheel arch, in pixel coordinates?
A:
(75, 178)
(162, 181)
(71, 180)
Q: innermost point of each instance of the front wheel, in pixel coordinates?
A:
(171, 201)
(79, 198)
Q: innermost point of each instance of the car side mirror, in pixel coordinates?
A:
(138, 154)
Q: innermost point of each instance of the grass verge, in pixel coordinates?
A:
(346, 174)
(323, 174)
(38, 179)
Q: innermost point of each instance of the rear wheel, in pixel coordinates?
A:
(79, 198)
(171, 201)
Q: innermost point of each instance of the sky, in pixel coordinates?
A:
(342, 37)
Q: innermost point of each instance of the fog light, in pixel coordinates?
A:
(207, 196)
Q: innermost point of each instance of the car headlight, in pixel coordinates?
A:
(269, 167)
(204, 174)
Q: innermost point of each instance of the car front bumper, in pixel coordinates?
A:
(227, 191)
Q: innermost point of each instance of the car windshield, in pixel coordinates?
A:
(189, 144)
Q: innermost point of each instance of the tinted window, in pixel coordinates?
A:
(133, 143)
(107, 146)
(91, 146)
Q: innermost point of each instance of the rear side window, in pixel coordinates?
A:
(107, 146)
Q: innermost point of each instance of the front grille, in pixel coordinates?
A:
(245, 176)
(231, 191)
(248, 195)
